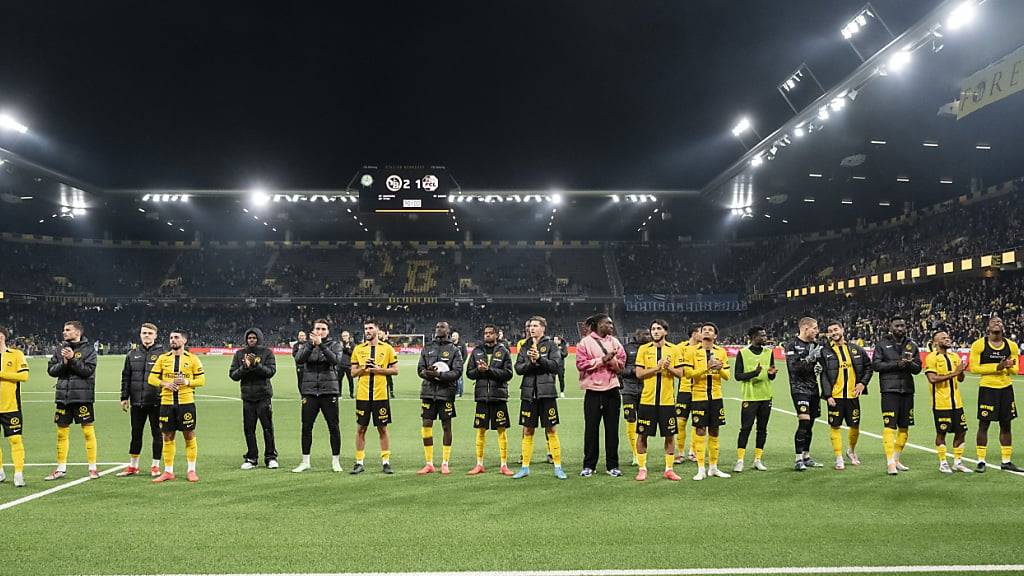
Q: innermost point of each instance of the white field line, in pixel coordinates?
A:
(55, 489)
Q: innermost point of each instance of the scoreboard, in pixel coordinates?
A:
(404, 189)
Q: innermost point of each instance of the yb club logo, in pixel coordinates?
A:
(83, 410)
(551, 412)
(187, 417)
(15, 421)
(500, 414)
(383, 411)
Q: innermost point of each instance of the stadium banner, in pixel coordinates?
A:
(995, 82)
(684, 303)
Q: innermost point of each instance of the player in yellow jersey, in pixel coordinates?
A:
(845, 373)
(373, 360)
(684, 401)
(656, 365)
(707, 366)
(13, 371)
(178, 373)
(945, 372)
(996, 360)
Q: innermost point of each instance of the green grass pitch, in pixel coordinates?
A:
(264, 521)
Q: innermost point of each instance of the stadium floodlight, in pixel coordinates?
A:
(962, 15)
(556, 199)
(7, 122)
(838, 103)
(757, 161)
(823, 113)
(259, 198)
(799, 132)
(983, 146)
(899, 60)
(742, 126)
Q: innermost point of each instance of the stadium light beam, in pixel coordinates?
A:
(962, 15)
(742, 126)
(8, 122)
(899, 60)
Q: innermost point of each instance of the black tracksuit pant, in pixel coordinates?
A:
(598, 406)
(139, 415)
(259, 410)
(313, 406)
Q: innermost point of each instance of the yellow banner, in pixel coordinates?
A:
(992, 84)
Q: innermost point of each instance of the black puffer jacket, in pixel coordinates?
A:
(319, 367)
(539, 378)
(76, 380)
(830, 369)
(886, 360)
(254, 380)
(492, 383)
(138, 363)
(627, 378)
(443, 387)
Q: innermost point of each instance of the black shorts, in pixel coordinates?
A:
(491, 415)
(629, 403)
(684, 402)
(542, 410)
(897, 410)
(705, 413)
(437, 409)
(378, 410)
(807, 404)
(656, 421)
(77, 412)
(954, 421)
(177, 418)
(11, 423)
(996, 404)
(846, 411)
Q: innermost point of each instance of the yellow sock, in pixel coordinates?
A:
(852, 436)
(758, 452)
(503, 445)
(1006, 452)
(481, 441)
(888, 443)
(669, 458)
(191, 449)
(90, 444)
(901, 439)
(837, 442)
(62, 445)
(360, 455)
(712, 450)
(428, 450)
(740, 454)
(982, 451)
(527, 450)
(631, 435)
(169, 449)
(555, 447)
(958, 452)
(698, 447)
(385, 456)
(941, 449)
(680, 435)
(446, 453)
(641, 459)
(17, 453)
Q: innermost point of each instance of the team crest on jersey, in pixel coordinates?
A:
(497, 354)
(187, 416)
(83, 410)
(500, 414)
(153, 358)
(746, 404)
(15, 421)
(78, 355)
(444, 354)
(9, 363)
(383, 411)
(856, 413)
(543, 349)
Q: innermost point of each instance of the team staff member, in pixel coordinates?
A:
(945, 372)
(490, 365)
(684, 401)
(253, 367)
(347, 345)
(563, 353)
(13, 371)
(74, 367)
(996, 359)
(846, 372)
(897, 360)
(537, 363)
(373, 363)
(631, 387)
(142, 399)
(599, 358)
(320, 357)
(707, 366)
(300, 341)
(802, 355)
(178, 373)
(437, 394)
(755, 368)
(656, 413)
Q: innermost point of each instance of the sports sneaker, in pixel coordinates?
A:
(129, 471)
(357, 468)
(840, 464)
(738, 467)
(165, 477)
(551, 459)
(944, 468)
(154, 471)
(891, 469)
(981, 467)
(19, 480)
(853, 457)
(386, 468)
(615, 473)
(641, 475)
(959, 467)
(55, 475)
(505, 471)
(522, 473)
(192, 476)
(679, 459)
(586, 473)
(901, 467)
(692, 456)
(1010, 467)
(811, 463)
(559, 473)
(700, 475)
(444, 469)
(714, 471)
(245, 466)
(301, 468)
(759, 466)
(671, 475)
(478, 469)
(3, 475)
(428, 468)
(561, 394)
(93, 473)
(799, 466)
(273, 465)
(336, 466)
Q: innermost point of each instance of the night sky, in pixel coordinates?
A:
(595, 94)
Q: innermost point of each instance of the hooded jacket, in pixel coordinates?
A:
(492, 383)
(138, 363)
(443, 387)
(254, 380)
(76, 380)
(319, 367)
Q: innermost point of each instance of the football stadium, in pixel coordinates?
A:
(602, 288)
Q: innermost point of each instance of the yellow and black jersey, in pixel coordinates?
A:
(706, 384)
(846, 379)
(985, 357)
(167, 366)
(373, 386)
(685, 384)
(13, 371)
(656, 389)
(945, 394)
